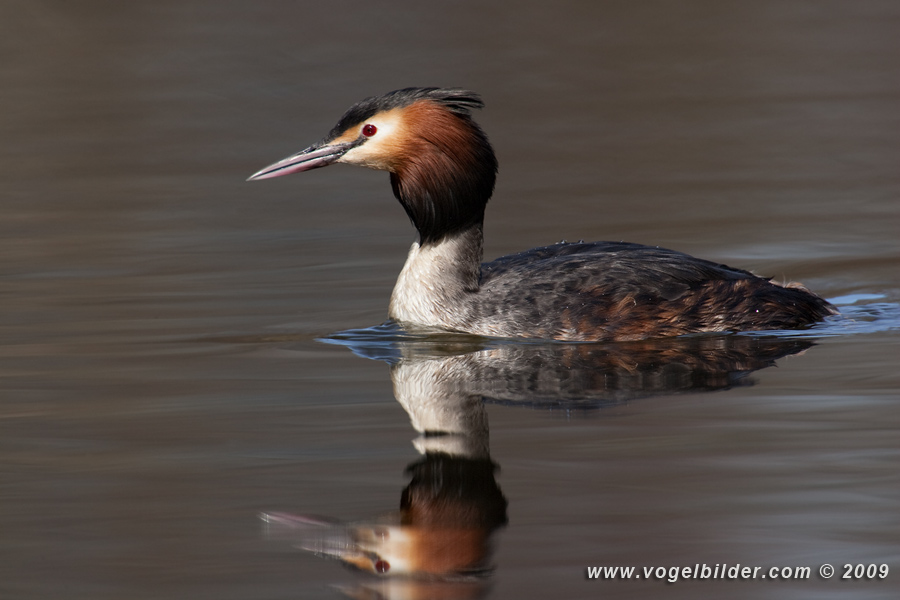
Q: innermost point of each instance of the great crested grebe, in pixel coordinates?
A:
(442, 171)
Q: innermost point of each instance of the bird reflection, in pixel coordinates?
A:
(448, 513)
(433, 372)
(452, 508)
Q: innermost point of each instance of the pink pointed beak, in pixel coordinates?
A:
(318, 155)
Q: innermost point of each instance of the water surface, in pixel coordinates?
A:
(163, 376)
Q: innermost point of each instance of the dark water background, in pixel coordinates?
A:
(160, 379)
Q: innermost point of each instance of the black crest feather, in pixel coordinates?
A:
(458, 101)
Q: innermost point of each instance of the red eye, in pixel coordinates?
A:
(369, 130)
(381, 566)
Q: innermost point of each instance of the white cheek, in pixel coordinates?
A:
(376, 151)
(366, 155)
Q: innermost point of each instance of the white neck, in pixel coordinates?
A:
(433, 286)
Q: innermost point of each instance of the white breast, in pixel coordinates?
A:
(421, 295)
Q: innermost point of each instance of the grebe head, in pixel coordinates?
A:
(441, 164)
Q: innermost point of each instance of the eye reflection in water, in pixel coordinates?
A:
(452, 509)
